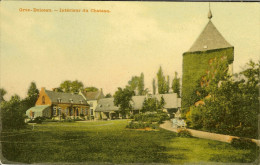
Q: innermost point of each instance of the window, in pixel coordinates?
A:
(59, 110)
(67, 111)
(71, 100)
(54, 111)
(81, 102)
(86, 111)
(43, 100)
(91, 112)
(59, 100)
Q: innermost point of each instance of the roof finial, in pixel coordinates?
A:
(209, 14)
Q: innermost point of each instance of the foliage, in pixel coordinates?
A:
(2, 93)
(122, 99)
(32, 96)
(232, 107)
(184, 133)
(71, 86)
(12, 113)
(108, 95)
(151, 104)
(37, 120)
(90, 89)
(195, 64)
(141, 125)
(154, 87)
(243, 143)
(151, 117)
(176, 86)
(136, 84)
(162, 84)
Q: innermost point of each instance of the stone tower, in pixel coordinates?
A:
(209, 45)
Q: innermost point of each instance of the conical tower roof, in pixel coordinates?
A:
(210, 38)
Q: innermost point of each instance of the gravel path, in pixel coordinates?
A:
(204, 135)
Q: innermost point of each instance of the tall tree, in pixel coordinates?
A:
(167, 85)
(140, 86)
(33, 91)
(122, 99)
(176, 84)
(32, 96)
(154, 87)
(162, 84)
(136, 84)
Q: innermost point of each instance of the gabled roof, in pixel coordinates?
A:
(93, 95)
(107, 104)
(65, 97)
(210, 38)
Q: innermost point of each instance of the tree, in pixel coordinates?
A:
(108, 95)
(12, 114)
(167, 85)
(154, 87)
(122, 99)
(2, 94)
(151, 104)
(163, 85)
(140, 85)
(32, 96)
(90, 89)
(71, 86)
(66, 86)
(232, 106)
(76, 86)
(136, 84)
(176, 84)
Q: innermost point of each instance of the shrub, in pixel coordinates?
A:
(184, 133)
(243, 143)
(152, 117)
(37, 120)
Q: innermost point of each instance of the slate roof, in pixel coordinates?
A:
(210, 38)
(107, 104)
(93, 95)
(171, 100)
(65, 97)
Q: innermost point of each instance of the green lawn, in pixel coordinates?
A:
(109, 141)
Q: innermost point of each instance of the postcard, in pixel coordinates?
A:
(129, 82)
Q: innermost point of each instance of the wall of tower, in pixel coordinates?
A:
(193, 68)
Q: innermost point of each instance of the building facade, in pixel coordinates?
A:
(92, 99)
(59, 105)
(107, 110)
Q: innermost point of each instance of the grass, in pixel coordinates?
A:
(109, 141)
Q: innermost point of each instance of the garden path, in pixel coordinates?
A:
(204, 135)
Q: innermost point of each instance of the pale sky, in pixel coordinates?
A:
(106, 49)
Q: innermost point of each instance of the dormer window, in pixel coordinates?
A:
(81, 102)
(100, 105)
(71, 100)
(59, 100)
